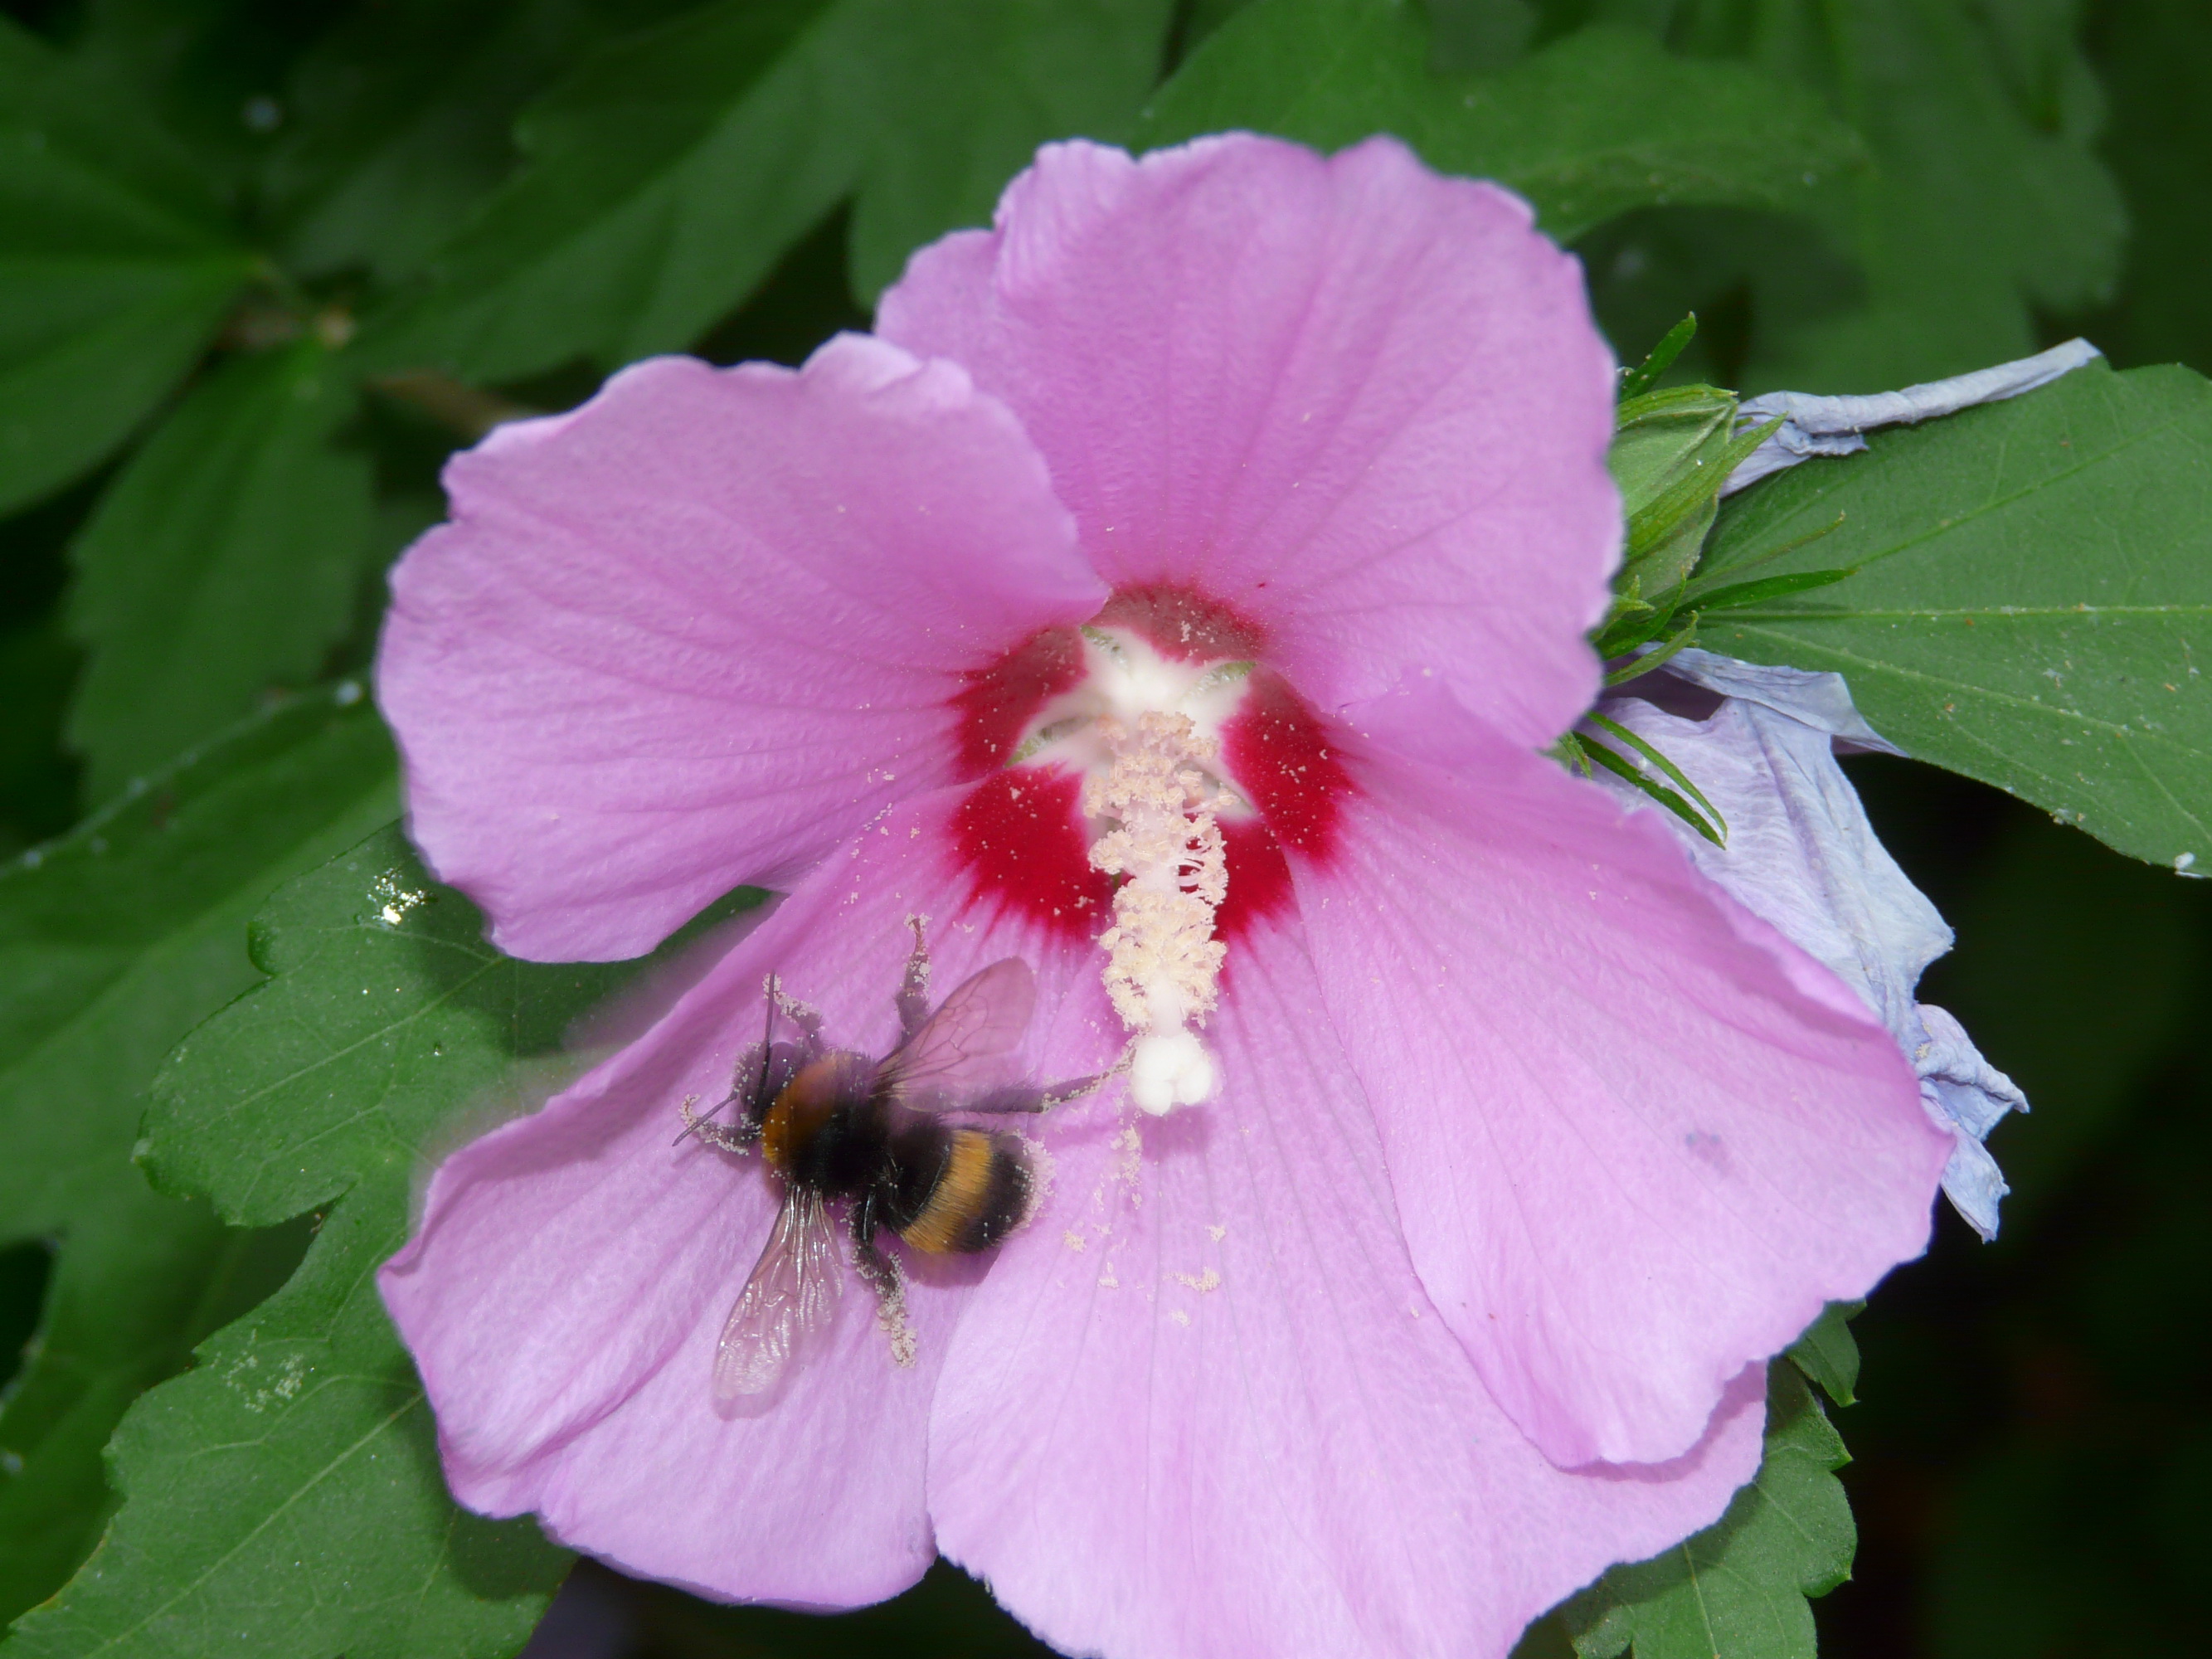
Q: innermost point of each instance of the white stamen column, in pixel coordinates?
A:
(1163, 964)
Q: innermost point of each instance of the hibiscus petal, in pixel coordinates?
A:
(1362, 404)
(1801, 854)
(566, 1291)
(1203, 1406)
(695, 632)
(1637, 1138)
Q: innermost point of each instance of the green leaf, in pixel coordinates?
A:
(981, 86)
(37, 787)
(142, 1280)
(1738, 1589)
(115, 270)
(672, 172)
(224, 561)
(24, 1269)
(664, 179)
(1987, 200)
(2021, 215)
(384, 1010)
(400, 123)
(1592, 125)
(1477, 36)
(210, 72)
(2032, 599)
(284, 1497)
(1829, 1354)
(114, 941)
(2156, 59)
(104, 122)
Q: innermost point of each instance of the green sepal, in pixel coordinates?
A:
(1694, 592)
(1667, 459)
(1635, 382)
(1635, 622)
(1829, 1354)
(1736, 595)
(1636, 667)
(1615, 728)
(1657, 435)
(1676, 522)
(1568, 749)
(1714, 831)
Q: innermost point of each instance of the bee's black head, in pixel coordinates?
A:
(761, 1075)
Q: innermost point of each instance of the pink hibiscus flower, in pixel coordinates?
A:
(1229, 521)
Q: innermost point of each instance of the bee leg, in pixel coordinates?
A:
(729, 1140)
(1075, 1088)
(807, 1019)
(875, 1266)
(1027, 1097)
(913, 988)
(885, 1278)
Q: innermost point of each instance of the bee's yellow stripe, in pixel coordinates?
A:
(958, 1195)
(775, 1134)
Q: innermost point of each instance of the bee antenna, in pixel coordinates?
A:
(773, 987)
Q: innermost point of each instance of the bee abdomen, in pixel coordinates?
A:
(981, 1194)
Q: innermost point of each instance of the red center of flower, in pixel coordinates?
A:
(1024, 731)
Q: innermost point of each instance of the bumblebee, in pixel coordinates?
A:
(835, 1127)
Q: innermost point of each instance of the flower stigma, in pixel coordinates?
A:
(1142, 730)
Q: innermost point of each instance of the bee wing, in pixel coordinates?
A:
(964, 1048)
(786, 1304)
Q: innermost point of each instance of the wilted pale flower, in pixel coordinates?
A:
(1817, 423)
(1761, 743)
(1255, 502)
